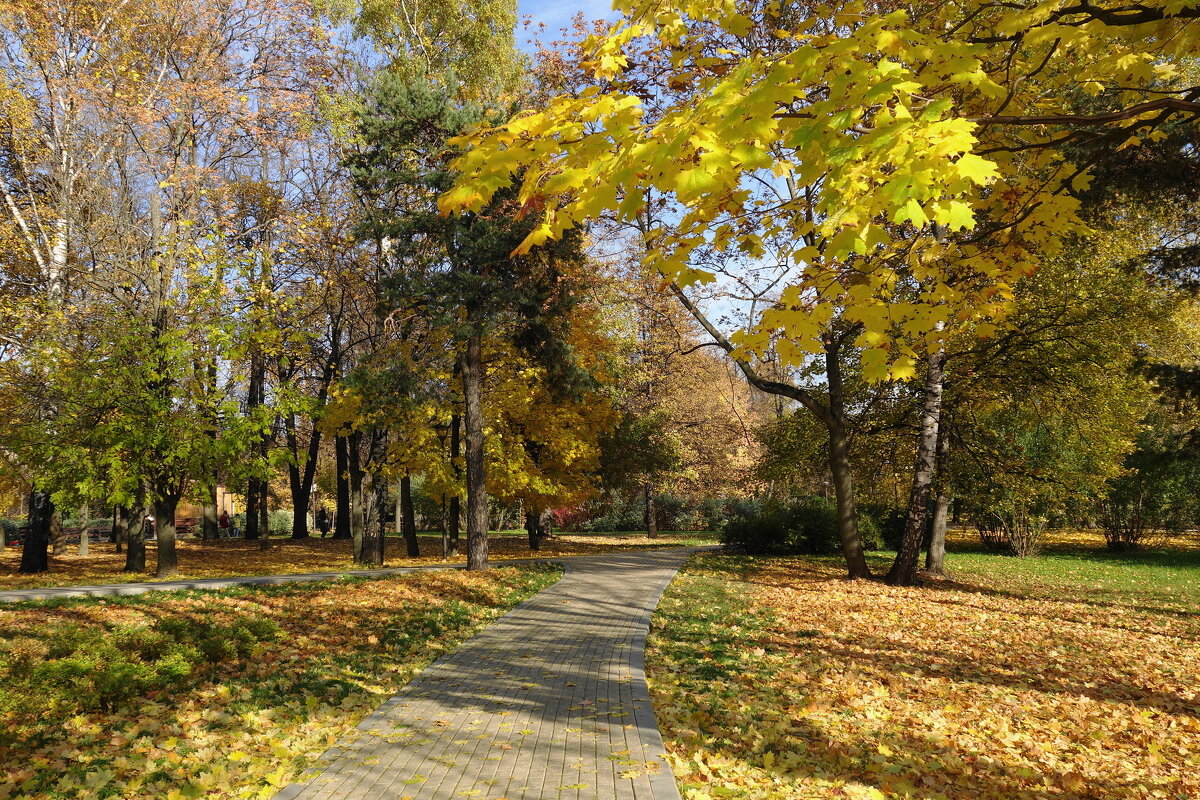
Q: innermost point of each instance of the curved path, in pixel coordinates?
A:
(548, 703)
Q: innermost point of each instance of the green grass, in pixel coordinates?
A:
(1167, 580)
(1078, 567)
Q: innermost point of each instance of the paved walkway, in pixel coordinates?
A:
(548, 703)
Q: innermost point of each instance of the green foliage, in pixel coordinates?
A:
(1157, 496)
(881, 526)
(641, 448)
(89, 667)
(10, 528)
(807, 525)
(279, 522)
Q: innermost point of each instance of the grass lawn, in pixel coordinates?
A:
(230, 557)
(219, 716)
(1071, 676)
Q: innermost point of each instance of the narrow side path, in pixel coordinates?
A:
(548, 703)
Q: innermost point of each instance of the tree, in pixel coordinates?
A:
(888, 149)
(459, 273)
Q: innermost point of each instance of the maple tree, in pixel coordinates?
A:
(877, 150)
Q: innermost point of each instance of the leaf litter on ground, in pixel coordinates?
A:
(777, 678)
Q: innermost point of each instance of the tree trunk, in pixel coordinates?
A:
(58, 536)
(843, 493)
(477, 512)
(85, 514)
(119, 533)
(254, 400)
(651, 513)
(164, 529)
(454, 518)
(300, 479)
(904, 568)
(135, 539)
(264, 513)
(408, 518)
(210, 529)
(341, 511)
(371, 550)
(935, 559)
(34, 553)
(251, 531)
(839, 467)
(534, 528)
(357, 515)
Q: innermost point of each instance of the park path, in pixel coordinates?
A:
(547, 703)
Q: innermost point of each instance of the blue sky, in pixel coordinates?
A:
(557, 14)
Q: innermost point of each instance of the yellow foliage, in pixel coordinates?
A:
(859, 145)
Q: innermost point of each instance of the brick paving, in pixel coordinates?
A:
(548, 703)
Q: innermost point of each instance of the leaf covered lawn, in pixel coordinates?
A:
(779, 679)
(230, 557)
(243, 726)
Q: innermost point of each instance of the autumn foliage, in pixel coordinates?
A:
(244, 725)
(778, 679)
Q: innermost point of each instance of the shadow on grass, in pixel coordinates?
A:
(900, 760)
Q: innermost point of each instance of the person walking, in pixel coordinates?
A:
(323, 521)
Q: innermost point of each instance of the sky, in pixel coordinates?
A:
(557, 14)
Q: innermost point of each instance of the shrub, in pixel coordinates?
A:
(807, 525)
(888, 522)
(869, 532)
(11, 527)
(279, 522)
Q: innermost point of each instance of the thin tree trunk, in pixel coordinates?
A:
(34, 552)
(650, 513)
(904, 568)
(408, 518)
(454, 518)
(210, 529)
(445, 529)
(164, 529)
(120, 527)
(357, 515)
(254, 400)
(264, 512)
(533, 528)
(477, 512)
(84, 514)
(58, 536)
(341, 512)
(839, 467)
(135, 538)
(251, 531)
(935, 559)
(300, 479)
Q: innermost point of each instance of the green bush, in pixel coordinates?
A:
(807, 525)
(870, 532)
(101, 668)
(888, 522)
(279, 523)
